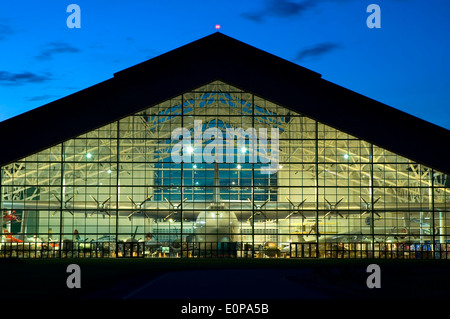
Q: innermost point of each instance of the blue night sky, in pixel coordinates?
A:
(404, 64)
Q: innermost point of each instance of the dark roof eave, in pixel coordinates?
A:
(221, 57)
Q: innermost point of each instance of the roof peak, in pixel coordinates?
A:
(221, 57)
(216, 47)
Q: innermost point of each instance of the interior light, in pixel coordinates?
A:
(243, 150)
(280, 166)
(109, 171)
(190, 149)
(88, 155)
(239, 166)
(346, 156)
(195, 166)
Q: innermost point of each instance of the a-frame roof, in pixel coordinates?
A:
(219, 57)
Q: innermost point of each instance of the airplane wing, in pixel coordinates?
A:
(160, 209)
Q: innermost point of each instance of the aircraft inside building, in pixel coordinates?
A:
(213, 167)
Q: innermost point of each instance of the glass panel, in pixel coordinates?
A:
(220, 172)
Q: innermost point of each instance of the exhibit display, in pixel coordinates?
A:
(217, 169)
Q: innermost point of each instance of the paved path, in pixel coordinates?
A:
(222, 284)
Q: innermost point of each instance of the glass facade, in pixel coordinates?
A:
(220, 172)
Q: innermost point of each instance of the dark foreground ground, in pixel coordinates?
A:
(173, 283)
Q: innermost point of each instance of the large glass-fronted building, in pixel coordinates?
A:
(220, 171)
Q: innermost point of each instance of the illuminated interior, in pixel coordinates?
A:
(116, 191)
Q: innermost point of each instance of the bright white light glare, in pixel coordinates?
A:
(109, 171)
(239, 166)
(243, 150)
(195, 166)
(190, 149)
(88, 155)
(346, 156)
(280, 166)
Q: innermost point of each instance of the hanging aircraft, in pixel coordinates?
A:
(220, 220)
(176, 208)
(101, 208)
(257, 209)
(138, 207)
(244, 210)
(65, 204)
(332, 208)
(10, 217)
(369, 207)
(218, 223)
(296, 208)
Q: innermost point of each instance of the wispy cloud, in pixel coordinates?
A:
(280, 9)
(40, 98)
(56, 48)
(317, 50)
(9, 78)
(285, 9)
(5, 31)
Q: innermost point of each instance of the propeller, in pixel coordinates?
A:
(296, 208)
(138, 207)
(314, 228)
(332, 208)
(369, 206)
(65, 203)
(101, 207)
(258, 209)
(175, 207)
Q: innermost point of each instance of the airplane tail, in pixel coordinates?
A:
(8, 235)
(10, 238)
